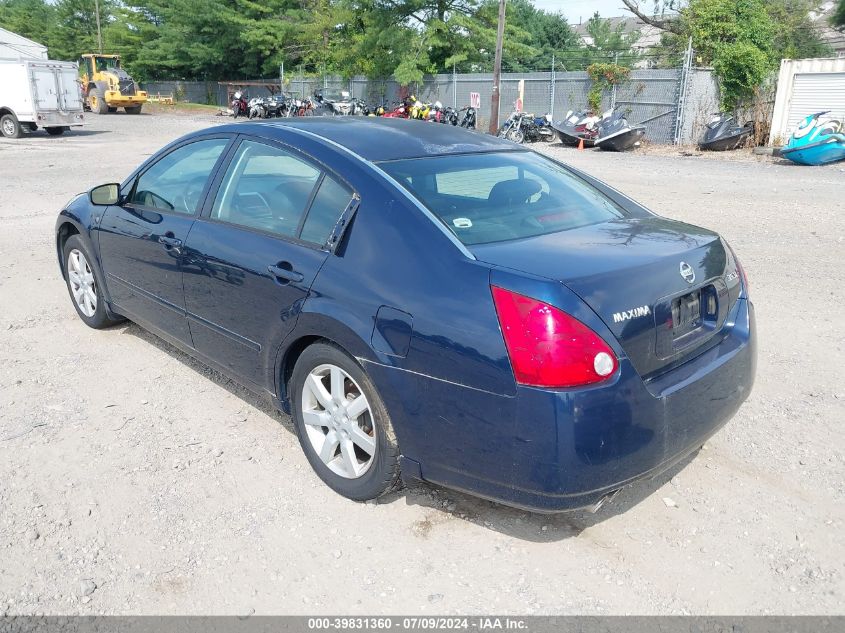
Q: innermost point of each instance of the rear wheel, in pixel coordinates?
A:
(9, 126)
(83, 283)
(133, 109)
(96, 102)
(55, 131)
(342, 424)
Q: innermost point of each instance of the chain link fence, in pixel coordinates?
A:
(672, 103)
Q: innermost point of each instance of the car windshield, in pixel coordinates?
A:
(500, 196)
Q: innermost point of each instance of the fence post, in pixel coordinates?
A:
(613, 91)
(682, 94)
(552, 90)
(454, 86)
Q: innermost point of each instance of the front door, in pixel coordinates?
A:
(251, 259)
(142, 240)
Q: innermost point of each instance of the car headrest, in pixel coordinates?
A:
(517, 191)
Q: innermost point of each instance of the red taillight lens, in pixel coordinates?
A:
(548, 347)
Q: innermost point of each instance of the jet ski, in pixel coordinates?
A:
(577, 127)
(723, 134)
(615, 134)
(817, 141)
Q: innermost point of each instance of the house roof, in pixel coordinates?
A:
(15, 46)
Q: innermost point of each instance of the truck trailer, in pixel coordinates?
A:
(39, 93)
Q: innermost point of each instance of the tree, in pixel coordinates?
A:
(838, 17)
(611, 42)
(744, 40)
(34, 19)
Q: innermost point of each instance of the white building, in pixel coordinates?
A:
(16, 47)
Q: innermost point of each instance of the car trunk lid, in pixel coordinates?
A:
(663, 288)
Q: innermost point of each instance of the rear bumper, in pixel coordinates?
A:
(563, 450)
(59, 119)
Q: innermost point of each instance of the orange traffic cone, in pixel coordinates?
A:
(580, 143)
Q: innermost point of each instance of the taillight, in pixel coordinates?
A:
(548, 347)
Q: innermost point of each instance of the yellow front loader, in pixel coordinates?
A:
(107, 87)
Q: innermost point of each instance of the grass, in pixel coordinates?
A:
(183, 107)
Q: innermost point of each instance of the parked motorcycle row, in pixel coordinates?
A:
(342, 104)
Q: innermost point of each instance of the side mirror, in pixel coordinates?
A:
(105, 195)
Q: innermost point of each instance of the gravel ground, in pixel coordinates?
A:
(134, 480)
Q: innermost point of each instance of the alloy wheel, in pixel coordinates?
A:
(83, 286)
(338, 421)
(8, 127)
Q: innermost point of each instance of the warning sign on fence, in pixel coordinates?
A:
(475, 100)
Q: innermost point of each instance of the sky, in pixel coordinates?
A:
(573, 9)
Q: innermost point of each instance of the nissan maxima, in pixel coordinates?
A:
(426, 302)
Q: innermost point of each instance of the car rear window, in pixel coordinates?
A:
(493, 197)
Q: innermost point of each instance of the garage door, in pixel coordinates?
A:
(814, 92)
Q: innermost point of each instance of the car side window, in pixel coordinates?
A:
(176, 182)
(331, 199)
(265, 188)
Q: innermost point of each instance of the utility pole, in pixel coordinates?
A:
(497, 71)
(99, 34)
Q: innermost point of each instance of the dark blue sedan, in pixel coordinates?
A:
(428, 303)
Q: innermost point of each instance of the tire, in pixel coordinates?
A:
(362, 460)
(110, 109)
(515, 134)
(55, 131)
(96, 102)
(81, 273)
(9, 126)
(133, 109)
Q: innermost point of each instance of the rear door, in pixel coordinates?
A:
(252, 257)
(46, 90)
(69, 95)
(142, 240)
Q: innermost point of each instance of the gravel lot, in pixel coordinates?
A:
(134, 480)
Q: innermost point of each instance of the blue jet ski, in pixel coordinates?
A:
(817, 141)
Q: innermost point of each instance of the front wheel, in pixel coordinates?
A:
(133, 109)
(342, 424)
(83, 284)
(55, 131)
(97, 102)
(9, 126)
(516, 135)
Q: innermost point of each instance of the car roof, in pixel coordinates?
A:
(379, 139)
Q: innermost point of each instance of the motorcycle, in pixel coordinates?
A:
(522, 127)
(722, 133)
(276, 106)
(435, 114)
(257, 109)
(239, 105)
(578, 127)
(469, 118)
(817, 141)
(400, 111)
(616, 134)
(450, 116)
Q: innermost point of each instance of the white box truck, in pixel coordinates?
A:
(39, 93)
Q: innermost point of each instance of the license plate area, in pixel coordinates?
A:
(688, 320)
(686, 314)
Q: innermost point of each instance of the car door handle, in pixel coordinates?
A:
(284, 273)
(169, 241)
